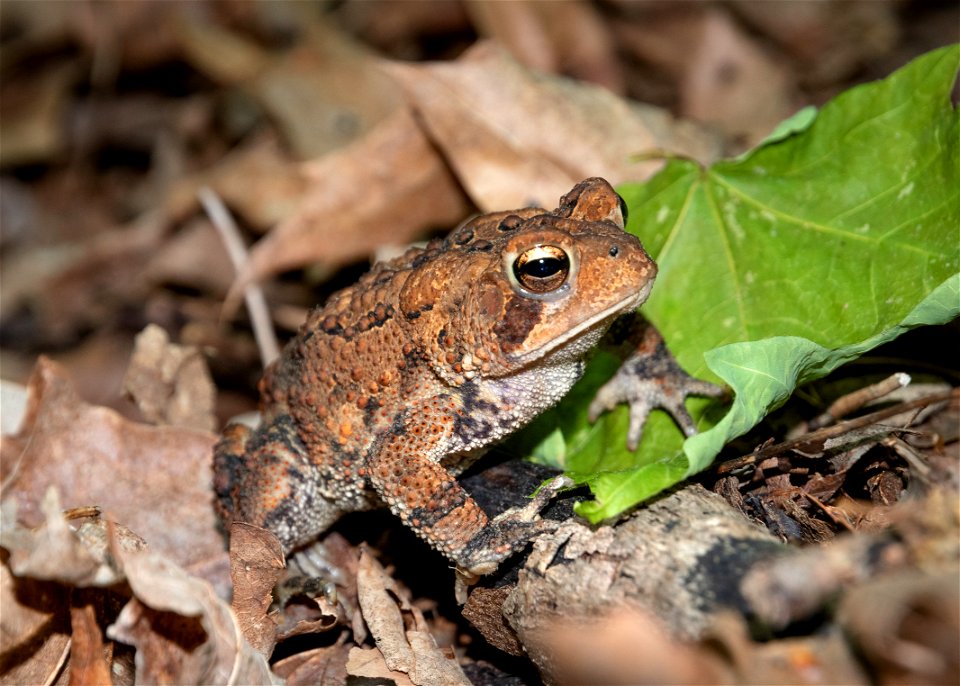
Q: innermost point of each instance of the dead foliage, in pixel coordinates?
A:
(335, 133)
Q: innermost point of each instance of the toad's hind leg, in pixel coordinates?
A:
(265, 477)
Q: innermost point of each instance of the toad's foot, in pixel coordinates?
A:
(649, 379)
(509, 531)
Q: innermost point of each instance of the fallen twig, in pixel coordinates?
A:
(824, 434)
(252, 293)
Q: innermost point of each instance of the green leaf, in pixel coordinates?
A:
(798, 122)
(764, 373)
(833, 236)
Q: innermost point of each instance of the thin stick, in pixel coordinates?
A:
(833, 431)
(854, 401)
(252, 294)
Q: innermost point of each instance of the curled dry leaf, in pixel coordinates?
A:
(41, 617)
(517, 139)
(155, 480)
(404, 24)
(53, 551)
(170, 383)
(383, 189)
(182, 631)
(96, 368)
(256, 563)
(315, 615)
(307, 606)
(412, 651)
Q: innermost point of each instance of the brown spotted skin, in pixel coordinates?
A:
(401, 381)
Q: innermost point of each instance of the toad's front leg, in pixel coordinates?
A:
(430, 501)
(648, 378)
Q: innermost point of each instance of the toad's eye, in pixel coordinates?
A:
(623, 208)
(542, 269)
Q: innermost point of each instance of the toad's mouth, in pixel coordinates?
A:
(632, 301)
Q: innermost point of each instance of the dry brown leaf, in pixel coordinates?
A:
(662, 35)
(732, 83)
(96, 368)
(307, 607)
(182, 631)
(832, 40)
(53, 551)
(513, 139)
(88, 664)
(412, 651)
(34, 630)
(70, 287)
(155, 480)
(517, 139)
(323, 93)
(325, 666)
(46, 562)
(369, 663)
(383, 604)
(256, 563)
(193, 257)
(401, 27)
(170, 383)
(314, 615)
(124, 35)
(33, 113)
(259, 180)
(384, 189)
(567, 37)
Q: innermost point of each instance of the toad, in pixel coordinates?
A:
(404, 379)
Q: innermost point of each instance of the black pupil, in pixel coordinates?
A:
(542, 267)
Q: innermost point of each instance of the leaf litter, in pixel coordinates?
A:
(110, 239)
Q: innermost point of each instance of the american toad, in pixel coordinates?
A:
(401, 381)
